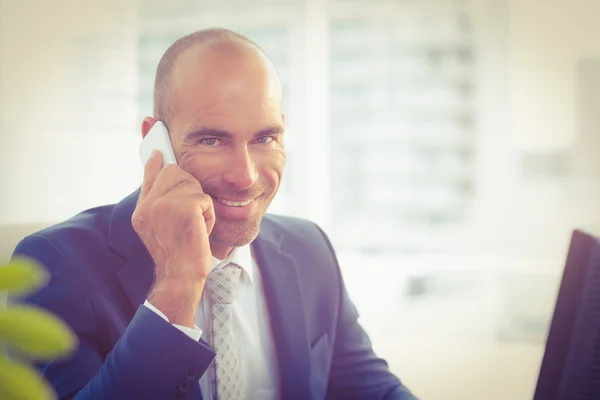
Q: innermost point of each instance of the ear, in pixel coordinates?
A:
(147, 124)
(283, 118)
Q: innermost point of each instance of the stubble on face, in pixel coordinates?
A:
(235, 233)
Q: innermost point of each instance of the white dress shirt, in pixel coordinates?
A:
(251, 329)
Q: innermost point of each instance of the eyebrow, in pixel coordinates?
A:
(220, 133)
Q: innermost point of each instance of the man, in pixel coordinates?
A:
(186, 288)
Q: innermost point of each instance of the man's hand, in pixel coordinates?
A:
(173, 218)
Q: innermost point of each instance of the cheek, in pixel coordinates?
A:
(202, 166)
(272, 163)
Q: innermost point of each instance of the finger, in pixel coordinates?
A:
(209, 216)
(151, 170)
(193, 194)
(208, 210)
(170, 178)
(200, 199)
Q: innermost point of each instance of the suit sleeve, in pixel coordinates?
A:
(151, 360)
(356, 371)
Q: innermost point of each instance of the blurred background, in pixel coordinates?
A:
(449, 146)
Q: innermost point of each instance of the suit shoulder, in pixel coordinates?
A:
(83, 231)
(301, 235)
(295, 226)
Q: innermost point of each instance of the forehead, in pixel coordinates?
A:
(225, 87)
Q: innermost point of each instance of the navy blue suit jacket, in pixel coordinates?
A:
(100, 276)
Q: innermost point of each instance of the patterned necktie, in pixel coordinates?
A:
(227, 378)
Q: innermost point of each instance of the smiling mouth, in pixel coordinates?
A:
(231, 203)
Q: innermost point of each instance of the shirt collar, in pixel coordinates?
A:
(241, 256)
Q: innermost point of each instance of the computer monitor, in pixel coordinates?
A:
(570, 367)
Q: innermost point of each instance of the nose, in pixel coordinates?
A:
(241, 171)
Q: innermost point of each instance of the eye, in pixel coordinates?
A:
(210, 142)
(264, 139)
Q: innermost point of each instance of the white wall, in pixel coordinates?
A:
(546, 40)
(537, 112)
(57, 153)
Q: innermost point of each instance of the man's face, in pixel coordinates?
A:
(227, 129)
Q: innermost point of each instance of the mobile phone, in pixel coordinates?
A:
(157, 139)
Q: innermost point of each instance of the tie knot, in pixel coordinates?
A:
(221, 283)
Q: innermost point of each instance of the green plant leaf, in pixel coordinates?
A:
(19, 381)
(36, 332)
(21, 276)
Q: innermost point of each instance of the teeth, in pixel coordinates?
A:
(235, 203)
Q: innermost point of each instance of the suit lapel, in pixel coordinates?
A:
(136, 273)
(195, 393)
(286, 310)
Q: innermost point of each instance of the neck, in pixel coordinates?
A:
(220, 250)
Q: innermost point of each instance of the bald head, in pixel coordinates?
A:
(216, 47)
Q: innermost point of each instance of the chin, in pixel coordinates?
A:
(236, 233)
